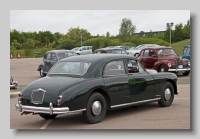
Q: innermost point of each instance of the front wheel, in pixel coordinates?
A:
(136, 55)
(42, 74)
(186, 73)
(161, 68)
(47, 116)
(95, 109)
(167, 95)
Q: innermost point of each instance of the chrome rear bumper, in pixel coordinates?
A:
(49, 110)
(187, 69)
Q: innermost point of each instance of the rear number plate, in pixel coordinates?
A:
(37, 96)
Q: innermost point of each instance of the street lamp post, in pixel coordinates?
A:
(169, 25)
(81, 35)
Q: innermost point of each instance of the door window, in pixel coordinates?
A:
(49, 56)
(152, 53)
(146, 53)
(53, 57)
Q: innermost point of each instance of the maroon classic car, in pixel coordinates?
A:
(164, 59)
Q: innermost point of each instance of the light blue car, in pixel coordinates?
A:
(186, 52)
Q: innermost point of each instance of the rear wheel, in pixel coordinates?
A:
(186, 73)
(167, 95)
(47, 116)
(95, 109)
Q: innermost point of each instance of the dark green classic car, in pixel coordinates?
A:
(94, 84)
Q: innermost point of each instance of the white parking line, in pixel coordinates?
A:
(46, 124)
(181, 98)
(14, 92)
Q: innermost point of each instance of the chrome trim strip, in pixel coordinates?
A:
(138, 102)
(13, 86)
(48, 110)
(179, 69)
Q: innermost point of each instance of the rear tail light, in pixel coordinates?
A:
(19, 96)
(59, 98)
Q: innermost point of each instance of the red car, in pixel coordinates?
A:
(164, 59)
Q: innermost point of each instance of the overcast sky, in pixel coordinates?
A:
(94, 21)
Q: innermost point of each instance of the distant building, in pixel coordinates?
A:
(143, 34)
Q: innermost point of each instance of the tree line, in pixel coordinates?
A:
(46, 40)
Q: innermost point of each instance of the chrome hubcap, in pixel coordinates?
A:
(96, 108)
(167, 94)
(162, 70)
(41, 71)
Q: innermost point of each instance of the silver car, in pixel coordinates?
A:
(83, 50)
(134, 51)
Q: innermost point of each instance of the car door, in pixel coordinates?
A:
(53, 60)
(116, 82)
(152, 58)
(141, 83)
(47, 59)
(145, 57)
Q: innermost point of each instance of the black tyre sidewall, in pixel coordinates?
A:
(186, 73)
(160, 67)
(163, 102)
(89, 117)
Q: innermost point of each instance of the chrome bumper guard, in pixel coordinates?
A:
(49, 110)
(187, 69)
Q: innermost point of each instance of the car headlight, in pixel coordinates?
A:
(188, 63)
(169, 65)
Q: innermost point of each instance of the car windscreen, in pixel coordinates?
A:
(166, 52)
(187, 51)
(64, 55)
(72, 68)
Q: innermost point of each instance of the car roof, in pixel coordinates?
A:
(107, 49)
(158, 47)
(97, 58)
(60, 51)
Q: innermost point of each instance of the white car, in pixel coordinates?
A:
(135, 51)
(83, 50)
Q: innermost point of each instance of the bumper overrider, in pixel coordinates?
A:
(48, 110)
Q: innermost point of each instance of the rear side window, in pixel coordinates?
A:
(114, 68)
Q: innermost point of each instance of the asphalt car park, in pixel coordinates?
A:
(150, 116)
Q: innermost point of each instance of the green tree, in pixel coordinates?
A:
(77, 34)
(16, 45)
(107, 34)
(178, 33)
(141, 33)
(127, 29)
(150, 35)
(29, 45)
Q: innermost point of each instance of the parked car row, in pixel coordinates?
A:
(152, 56)
(13, 83)
(164, 59)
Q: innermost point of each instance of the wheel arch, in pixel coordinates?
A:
(174, 85)
(105, 95)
